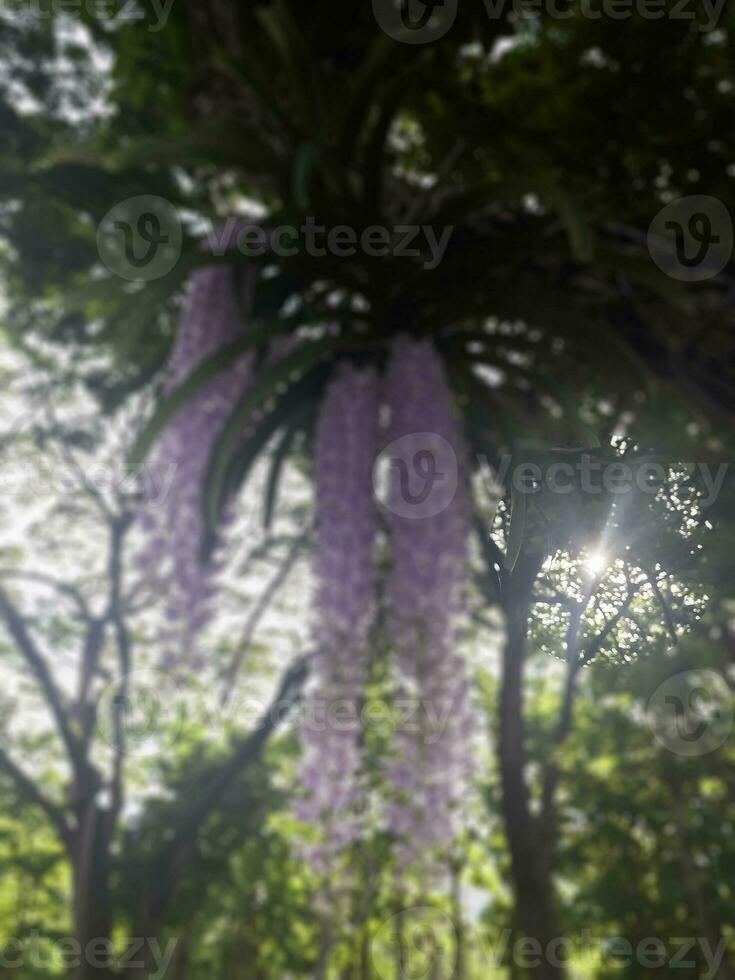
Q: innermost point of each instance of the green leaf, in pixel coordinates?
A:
(270, 297)
(279, 376)
(136, 312)
(307, 157)
(216, 142)
(372, 169)
(289, 408)
(212, 366)
(288, 42)
(641, 270)
(280, 455)
(579, 231)
(364, 89)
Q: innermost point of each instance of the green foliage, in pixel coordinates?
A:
(548, 146)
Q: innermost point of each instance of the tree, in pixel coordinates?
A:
(89, 622)
(545, 306)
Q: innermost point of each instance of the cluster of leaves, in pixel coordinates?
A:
(318, 113)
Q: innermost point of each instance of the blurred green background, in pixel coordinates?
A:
(604, 812)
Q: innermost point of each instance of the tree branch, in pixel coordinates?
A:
(248, 748)
(63, 588)
(30, 792)
(668, 617)
(17, 628)
(244, 752)
(257, 613)
(492, 585)
(124, 650)
(575, 662)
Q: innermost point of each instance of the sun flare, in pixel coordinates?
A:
(596, 562)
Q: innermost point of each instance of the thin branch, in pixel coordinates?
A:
(30, 792)
(63, 588)
(93, 643)
(571, 641)
(554, 599)
(210, 791)
(71, 460)
(668, 617)
(492, 584)
(124, 650)
(575, 662)
(257, 613)
(594, 645)
(17, 628)
(438, 190)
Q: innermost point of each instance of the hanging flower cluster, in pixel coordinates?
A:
(429, 519)
(346, 527)
(173, 561)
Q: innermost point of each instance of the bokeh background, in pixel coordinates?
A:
(566, 174)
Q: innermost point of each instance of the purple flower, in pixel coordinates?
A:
(172, 561)
(344, 561)
(430, 768)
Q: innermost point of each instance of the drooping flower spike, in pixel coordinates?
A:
(344, 564)
(428, 509)
(173, 560)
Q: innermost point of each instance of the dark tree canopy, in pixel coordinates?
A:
(549, 145)
(530, 156)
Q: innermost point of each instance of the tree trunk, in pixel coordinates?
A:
(707, 920)
(529, 844)
(91, 876)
